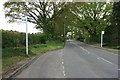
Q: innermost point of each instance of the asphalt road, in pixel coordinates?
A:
(76, 60)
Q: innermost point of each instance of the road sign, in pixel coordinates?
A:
(23, 19)
(103, 32)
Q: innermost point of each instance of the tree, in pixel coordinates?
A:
(39, 13)
(48, 16)
(93, 17)
(113, 31)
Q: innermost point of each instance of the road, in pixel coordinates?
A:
(75, 60)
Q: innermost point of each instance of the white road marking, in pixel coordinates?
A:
(61, 55)
(85, 50)
(62, 63)
(88, 52)
(104, 60)
(63, 68)
(118, 69)
(100, 58)
(64, 73)
(82, 48)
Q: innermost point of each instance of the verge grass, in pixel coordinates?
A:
(13, 55)
(113, 49)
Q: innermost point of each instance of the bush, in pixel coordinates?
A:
(10, 39)
(43, 38)
(17, 39)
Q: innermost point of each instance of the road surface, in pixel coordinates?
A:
(76, 60)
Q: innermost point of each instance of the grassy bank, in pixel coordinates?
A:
(113, 49)
(12, 55)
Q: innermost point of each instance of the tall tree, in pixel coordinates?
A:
(112, 32)
(49, 16)
(93, 17)
(39, 13)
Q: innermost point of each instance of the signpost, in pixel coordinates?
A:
(25, 20)
(102, 32)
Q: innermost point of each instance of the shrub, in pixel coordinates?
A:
(17, 39)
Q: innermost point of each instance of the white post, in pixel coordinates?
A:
(102, 32)
(25, 20)
(101, 39)
(26, 37)
(26, 33)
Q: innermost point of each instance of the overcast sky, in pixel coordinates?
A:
(14, 26)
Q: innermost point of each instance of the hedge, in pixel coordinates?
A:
(17, 39)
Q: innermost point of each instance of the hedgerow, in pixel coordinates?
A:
(17, 39)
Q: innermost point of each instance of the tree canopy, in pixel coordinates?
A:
(83, 19)
(113, 30)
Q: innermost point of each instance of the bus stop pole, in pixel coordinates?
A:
(26, 37)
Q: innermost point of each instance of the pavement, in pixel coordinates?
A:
(75, 60)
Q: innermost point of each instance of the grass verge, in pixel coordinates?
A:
(113, 49)
(11, 56)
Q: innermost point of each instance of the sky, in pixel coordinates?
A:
(14, 26)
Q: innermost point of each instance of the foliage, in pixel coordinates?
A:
(112, 32)
(17, 39)
(83, 19)
(93, 17)
(11, 39)
(51, 17)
